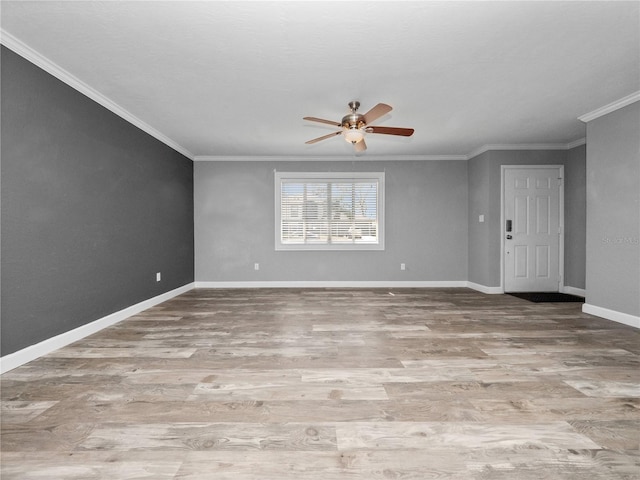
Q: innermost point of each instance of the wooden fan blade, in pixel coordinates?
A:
(376, 112)
(324, 137)
(360, 146)
(403, 132)
(321, 120)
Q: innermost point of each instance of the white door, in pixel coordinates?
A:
(532, 228)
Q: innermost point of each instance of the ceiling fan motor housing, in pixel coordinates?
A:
(353, 120)
(353, 127)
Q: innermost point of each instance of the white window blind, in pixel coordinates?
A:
(329, 211)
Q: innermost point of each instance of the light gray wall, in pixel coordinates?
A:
(575, 217)
(613, 211)
(426, 225)
(484, 198)
(481, 269)
(92, 208)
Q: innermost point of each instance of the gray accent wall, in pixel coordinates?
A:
(613, 211)
(426, 225)
(484, 199)
(92, 208)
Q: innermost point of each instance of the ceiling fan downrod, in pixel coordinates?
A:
(353, 120)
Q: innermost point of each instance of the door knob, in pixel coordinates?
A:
(509, 237)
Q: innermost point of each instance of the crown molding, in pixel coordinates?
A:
(612, 107)
(354, 158)
(61, 74)
(469, 156)
(576, 143)
(526, 146)
(388, 158)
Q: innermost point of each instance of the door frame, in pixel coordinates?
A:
(561, 180)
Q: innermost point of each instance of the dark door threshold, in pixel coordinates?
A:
(547, 297)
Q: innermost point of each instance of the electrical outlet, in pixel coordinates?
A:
(481, 219)
(158, 277)
(256, 266)
(402, 266)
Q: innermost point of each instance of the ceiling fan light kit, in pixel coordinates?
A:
(353, 135)
(355, 125)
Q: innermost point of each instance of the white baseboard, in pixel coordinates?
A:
(625, 318)
(333, 284)
(580, 292)
(485, 289)
(14, 360)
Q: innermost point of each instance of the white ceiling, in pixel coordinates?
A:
(235, 78)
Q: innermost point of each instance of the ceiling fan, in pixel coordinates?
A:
(355, 125)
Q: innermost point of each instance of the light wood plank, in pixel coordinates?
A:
(281, 384)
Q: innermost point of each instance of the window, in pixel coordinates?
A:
(329, 211)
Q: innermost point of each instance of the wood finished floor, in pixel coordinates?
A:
(333, 384)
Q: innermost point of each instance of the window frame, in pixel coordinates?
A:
(329, 177)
